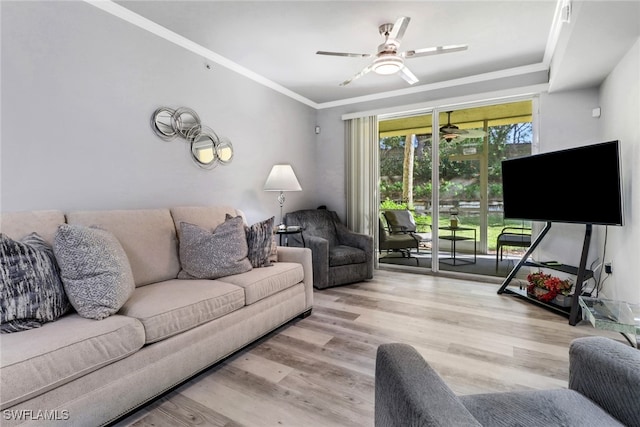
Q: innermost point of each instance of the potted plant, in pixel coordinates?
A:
(548, 288)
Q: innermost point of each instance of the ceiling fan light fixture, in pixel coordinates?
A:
(388, 59)
(386, 65)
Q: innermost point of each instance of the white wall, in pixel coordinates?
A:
(79, 87)
(620, 103)
(565, 122)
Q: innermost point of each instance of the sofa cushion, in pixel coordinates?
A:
(95, 270)
(211, 255)
(20, 224)
(31, 291)
(537, 408)
(38, 360)
(345, 255)
(148, 237)
(263, 282)
(173, 306)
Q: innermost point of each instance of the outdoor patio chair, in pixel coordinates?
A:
(512, 236)
(395, 242)
(401, 222)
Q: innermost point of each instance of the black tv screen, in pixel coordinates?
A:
(577, 185)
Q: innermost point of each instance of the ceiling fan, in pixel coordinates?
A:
(450, 132)
(388, 60)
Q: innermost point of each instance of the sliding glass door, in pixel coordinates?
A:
(466, 150)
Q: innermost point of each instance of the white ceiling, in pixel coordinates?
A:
(275, 42)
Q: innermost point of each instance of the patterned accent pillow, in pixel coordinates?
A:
(273, 255)
(31, 292)
(259, 239)
(210, 255)
(94, 268)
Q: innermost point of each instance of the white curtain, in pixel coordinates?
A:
(362, 175)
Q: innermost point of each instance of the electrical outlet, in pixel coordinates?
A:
(607, 268)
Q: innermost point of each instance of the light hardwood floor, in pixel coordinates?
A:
(319, 371)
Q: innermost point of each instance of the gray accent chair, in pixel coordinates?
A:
(339, 255)
(604, 390)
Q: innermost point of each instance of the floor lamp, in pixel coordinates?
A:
(282, 178)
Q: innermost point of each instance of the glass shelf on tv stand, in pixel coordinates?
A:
(612, 315)
(569, 269)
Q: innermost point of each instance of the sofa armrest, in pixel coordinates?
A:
(320, 257)
(360, 241)
(408, 392)
(608, 373)
(363, 242)
(301, 256)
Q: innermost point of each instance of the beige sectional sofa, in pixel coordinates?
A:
(85, 372)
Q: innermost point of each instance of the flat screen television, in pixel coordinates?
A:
(578, 185)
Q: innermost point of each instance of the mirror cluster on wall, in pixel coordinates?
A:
(207, 148)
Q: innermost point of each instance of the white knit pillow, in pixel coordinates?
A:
(94, 268)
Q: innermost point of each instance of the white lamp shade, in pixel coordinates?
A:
(282, 178)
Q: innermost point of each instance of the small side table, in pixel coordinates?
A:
(612, 315)
(286, 232)
(453, 238)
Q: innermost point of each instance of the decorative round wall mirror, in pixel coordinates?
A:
(207, 150)
(161, 122)
(203, 148)
(183, 120)
(224, 151)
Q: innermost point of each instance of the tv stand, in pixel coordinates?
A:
(581, 273)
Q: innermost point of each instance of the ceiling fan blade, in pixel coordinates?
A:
(475, 133)
(434, 50)
(408, 76)
(351, 55)
(357, 76)
(397, 32)
(454, 130)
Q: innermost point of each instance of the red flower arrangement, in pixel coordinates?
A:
(546, 287)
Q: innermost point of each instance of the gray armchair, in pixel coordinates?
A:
(339, 255)
(604, 390)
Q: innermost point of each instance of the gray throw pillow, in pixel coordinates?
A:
(95, 270)
(273, 255)
(31, 292)
(207, 255)
(259, 239)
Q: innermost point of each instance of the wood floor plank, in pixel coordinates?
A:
(267, 369)
(319, 371)
(313, 337)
